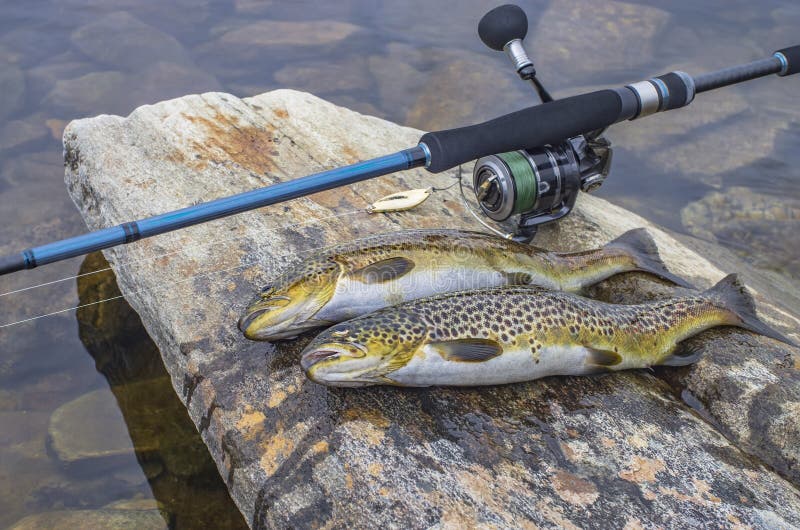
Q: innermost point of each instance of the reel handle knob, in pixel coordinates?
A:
(502, 25)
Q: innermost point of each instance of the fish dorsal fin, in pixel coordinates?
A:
(602, 358)
(467, 350)
(384, 270)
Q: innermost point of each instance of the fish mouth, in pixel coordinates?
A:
(248, 319)
(313, 357)
(277, 326)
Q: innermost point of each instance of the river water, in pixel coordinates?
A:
(90, 430)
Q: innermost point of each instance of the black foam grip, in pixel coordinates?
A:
(549, 123)
(501, 25)
(676, 87)
(13, 263)
(792, 55)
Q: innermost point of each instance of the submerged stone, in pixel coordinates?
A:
(325, 77)
(94, 92)
(289, 33)
(87, 519)
(456, 91)
(626, 31)
(12, 87)
(619, 449)
(764, 228)
(90, 427)
(15, 133)
(180, 473)
(110, 39)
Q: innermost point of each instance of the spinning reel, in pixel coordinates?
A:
(521, 190)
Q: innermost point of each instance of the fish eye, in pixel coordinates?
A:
(266, 289)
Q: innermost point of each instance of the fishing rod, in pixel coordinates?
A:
(531, 163)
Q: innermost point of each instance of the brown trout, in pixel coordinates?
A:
(513, 334)
(362, 276)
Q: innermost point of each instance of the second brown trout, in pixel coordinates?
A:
(513, 334)
(359, 277)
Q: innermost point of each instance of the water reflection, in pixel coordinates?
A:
(179, 471)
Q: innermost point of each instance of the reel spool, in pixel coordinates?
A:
(531, 187)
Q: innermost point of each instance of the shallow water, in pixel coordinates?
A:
(726, 169)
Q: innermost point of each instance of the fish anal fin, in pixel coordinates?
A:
(602, 359)
(384, 270)
(467, 350)
(683, 354)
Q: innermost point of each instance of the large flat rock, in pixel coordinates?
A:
(620, 449)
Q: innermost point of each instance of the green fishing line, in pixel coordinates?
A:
(524, 180)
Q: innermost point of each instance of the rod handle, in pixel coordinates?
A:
(792, 57)
(12, 263)
(549, 123)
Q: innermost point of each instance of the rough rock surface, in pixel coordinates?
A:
(619, 449)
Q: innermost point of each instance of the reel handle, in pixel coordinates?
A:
(501, 25)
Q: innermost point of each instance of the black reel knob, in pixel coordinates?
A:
(503, 29)
(501, 25)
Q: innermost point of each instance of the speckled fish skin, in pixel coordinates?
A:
(356, 278)
(513, 334)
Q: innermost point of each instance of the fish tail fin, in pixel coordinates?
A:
(639, 244)
(731, 294)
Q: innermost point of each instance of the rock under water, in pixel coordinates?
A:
(619, 449)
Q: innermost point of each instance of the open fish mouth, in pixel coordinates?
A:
(313, 357)
(248, 319)
(259, 309)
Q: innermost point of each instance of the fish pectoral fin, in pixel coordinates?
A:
(384, 270)
(602, 359)
(467, 350)
(683, 354)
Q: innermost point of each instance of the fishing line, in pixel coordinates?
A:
(155, 288)
(469, 208)
(159, 286)
(209, 243)
(171, 283)
(174, 252)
